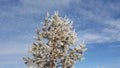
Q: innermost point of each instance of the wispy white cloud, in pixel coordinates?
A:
(46, 3)
(115, 46)
(102, 13)
(16, 45)
(93, 38)
(13, 49)
(8, 62)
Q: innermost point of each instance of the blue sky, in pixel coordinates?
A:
(97, 22)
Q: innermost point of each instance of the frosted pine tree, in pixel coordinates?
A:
(54, 46)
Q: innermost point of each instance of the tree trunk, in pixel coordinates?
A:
(51, 56)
